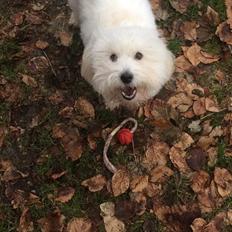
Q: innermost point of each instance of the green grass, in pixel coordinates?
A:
(175, 45)
(217, 5)
(178, 190)
(223, 161)
(138, 223)
(212, 46)
(10, 223)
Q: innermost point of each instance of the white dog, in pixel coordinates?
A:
(124, 59)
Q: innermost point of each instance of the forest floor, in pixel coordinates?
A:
(53, 128)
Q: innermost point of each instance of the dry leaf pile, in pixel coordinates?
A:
(53, 128)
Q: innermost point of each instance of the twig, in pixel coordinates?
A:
(106, 160)
(50, 63)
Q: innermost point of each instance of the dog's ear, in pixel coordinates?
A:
(86, 66)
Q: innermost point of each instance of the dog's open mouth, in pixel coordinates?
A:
(128, 92)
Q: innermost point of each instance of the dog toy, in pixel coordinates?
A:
(125, 137)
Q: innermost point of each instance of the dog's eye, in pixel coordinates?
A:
(114, 57)
(138, 56)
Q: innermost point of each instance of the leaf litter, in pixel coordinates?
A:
(180, 174)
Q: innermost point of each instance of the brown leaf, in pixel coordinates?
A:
(56, 176)
(229, 12)
(41, 44)
(25, 222)
(177, 156)
(70, 139)
(53, 222)
(160, 174)
(198, 225)
(212, 16)
(65, 38)
(180, 5)
(182, 64)
(180, 101)
(193, 54)
(120, 182)
(18, 19)
(156, 155)
(139, 183)
(211, 105)
(34, 19)
(199, 107)
(95, 184)
(65, 194)
(125, 210)
(28, 80)
(84, 107)
(185, 142)
(224, 32)
(189, 29)
(197, 158)
(80, 225)
(200, 181)
(207, 58)
(223, 179)
(205, 142)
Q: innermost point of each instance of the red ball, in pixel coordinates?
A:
(125, 136)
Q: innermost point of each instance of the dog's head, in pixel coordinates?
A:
(128, 64)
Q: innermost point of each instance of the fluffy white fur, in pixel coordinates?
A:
(121, 27)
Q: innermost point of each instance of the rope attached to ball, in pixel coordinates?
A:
(125, 137)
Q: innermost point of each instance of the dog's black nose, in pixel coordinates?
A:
(126, 77)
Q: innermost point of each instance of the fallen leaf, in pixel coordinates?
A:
(207, 58)
(196, 159)
(70, 139)
(200, 181)
(185, 141)
(65, 194)
(80, 225)
(212, 16)
(95, 184)
(180, 101)
(120, 182)
(139, 183)
(212, 156)
(33, 19)
(223, 180)
(38, 6)
(53, 222)
(41, 44)
(182, 64)
(65, 38)
(198, 225)
(84, 107)
(177, 156)
(156, 155)
(160, 174)
(112, 224)
(56, 176)
(193, 54)
(224, 32)
(228, 4)
(28, 80)
(205, 142)
(211, 105)
(25, 222)
(18, 19)
(189, 29)
(180, 5)
(199, 106)
(125, 210)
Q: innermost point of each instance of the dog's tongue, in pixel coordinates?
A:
(129, 92)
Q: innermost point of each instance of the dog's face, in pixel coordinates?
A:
(127, 65)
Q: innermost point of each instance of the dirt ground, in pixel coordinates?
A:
(53, 127)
